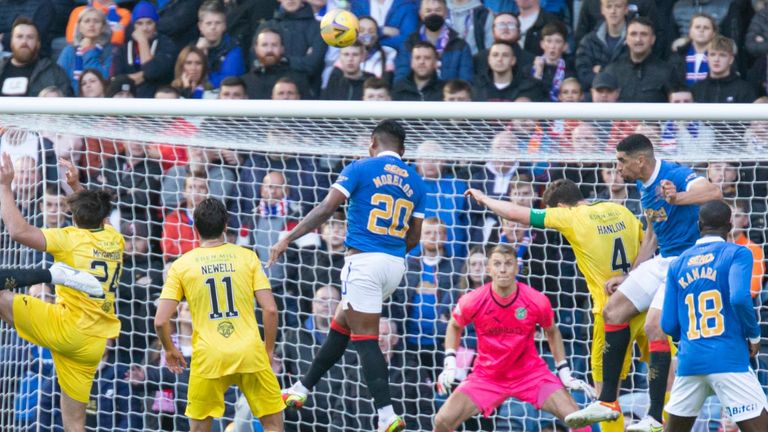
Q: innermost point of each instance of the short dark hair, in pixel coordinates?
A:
(22, 20)
(635, 143)
(638, 19)
(504, 249)
(457, 85)
(286, 80)
(233, 81)
(562, 191)
(210, 218)
(391, 132)
(679, 89)
(90, 207)
(555, 27)
(425, 44)
(715, 216)
(505, 43)
(376, 84)
(168, 89)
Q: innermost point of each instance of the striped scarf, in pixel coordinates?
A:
(692, 75)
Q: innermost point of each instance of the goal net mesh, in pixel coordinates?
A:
(270, 171)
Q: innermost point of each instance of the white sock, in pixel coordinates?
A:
(298, 387)
(385, 414)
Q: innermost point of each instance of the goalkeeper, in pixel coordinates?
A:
(505, 314)
(605, 238)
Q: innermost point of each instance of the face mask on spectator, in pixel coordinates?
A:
(433, 22)
(365, 39)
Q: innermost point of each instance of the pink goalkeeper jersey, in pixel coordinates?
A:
(505, 329)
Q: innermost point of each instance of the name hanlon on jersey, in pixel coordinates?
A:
(697, 273)
(612, 228)
(217, 268)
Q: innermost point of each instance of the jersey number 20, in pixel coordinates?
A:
(396, 214)
(708, 308)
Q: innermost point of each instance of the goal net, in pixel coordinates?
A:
(273, 161)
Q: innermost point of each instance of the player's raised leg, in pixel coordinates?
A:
(456, 410)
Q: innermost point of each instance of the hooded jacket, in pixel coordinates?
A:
(730, 89)
(473, 20)
(593, 50)
(455, 62)
(402, 15)
(304, 47)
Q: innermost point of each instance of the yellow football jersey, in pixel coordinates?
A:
(100, 252)
(605, 238)
(219, 284)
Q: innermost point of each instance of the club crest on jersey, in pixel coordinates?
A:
(226, 329)
(521, 313)
(106, 306)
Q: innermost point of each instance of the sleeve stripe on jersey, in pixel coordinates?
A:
(418, 215)
(341, 189)
(697, 179)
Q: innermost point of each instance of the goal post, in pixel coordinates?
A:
(154, 156)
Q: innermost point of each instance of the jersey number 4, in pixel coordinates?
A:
(215, 312)
(709, 309)
(396, 214)
(619, 259)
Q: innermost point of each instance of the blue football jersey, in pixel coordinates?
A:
(676, 227)
(384, 193)
(708, 307)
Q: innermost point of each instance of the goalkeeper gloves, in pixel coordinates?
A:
(571, 383)
(448, 375)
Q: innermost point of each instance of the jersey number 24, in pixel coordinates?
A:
(395, 215)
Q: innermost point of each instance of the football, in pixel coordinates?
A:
(339, 28)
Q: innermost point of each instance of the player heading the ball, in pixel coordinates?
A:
(385, 213)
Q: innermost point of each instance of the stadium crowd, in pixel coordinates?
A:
(456, 50)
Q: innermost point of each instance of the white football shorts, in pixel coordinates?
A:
(368, 279)
(739, 393)
(645, 285)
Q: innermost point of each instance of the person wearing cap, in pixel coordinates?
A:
(147, 56)
(605, 88)
(121, 86)
(642, 76)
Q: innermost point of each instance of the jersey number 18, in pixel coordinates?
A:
(708, 308)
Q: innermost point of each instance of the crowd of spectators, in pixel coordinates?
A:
(455, 50)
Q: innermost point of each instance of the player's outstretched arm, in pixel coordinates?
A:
(698, 193)
(166, 308)
(311, 222)
(15, 224)
(739, 280)
(448, 375)
(557, 348)
(266, 302)
(505, 209)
